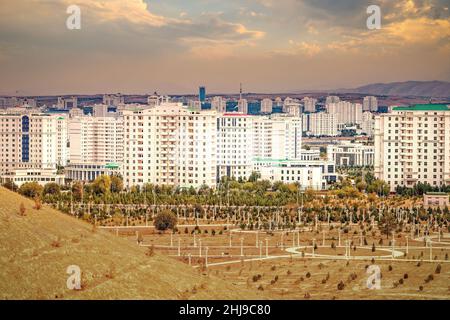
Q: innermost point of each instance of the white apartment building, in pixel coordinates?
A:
(113, 99)
(170, 145)
(266, 106)
(31, 142)
(277, 137)
(348, 154)
(315, 174)
(242, 138)
(368, 123)
(291, 107)
(332, 99)
(234, 145)
(96, 145)
(309, 104)
(219, 104)
(347, 112)
(320, 124)
(412, 145)
(243, 106)
(370, 104)
(62, 140)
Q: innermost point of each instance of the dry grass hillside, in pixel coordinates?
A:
(36, 249)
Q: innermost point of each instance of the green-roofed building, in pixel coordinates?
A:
(412, 145)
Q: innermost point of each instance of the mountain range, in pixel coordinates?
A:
(408, 88)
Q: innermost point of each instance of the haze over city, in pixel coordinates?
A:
(174, 46)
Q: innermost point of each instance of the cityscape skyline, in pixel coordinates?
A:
(269, 46)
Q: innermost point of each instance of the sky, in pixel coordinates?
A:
(174, 46)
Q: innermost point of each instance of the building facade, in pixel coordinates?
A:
(412, 145)
(320, 124)
(348, 154)
(170, 145)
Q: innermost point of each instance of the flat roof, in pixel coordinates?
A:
(437, 194)
(424, 107)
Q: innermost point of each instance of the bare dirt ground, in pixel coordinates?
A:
(421, 272)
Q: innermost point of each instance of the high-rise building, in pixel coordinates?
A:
(291, 107)
(368, 123)
(202, 94)
(321, 124)
(278, 102)
(332, 99)
(346, 112)
(243, 106)
(219, 104)
(266, 106)
(309, 104)
(170, 145)
(277, 137)
(234, 145)
(32, 141)
(96, 145)
(412, 145)
(113, 99)
(370, 104)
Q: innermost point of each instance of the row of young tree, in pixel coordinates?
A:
(420, 189)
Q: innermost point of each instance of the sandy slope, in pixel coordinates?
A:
(36, 250)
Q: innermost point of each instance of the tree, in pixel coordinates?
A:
(101, 185)
(37, 203)
(52, 188)
(31, 189)
(10, 185)
(165, 220)
(379, 187)
(77, 190)
(254, 176)
(387, 223)
(116, 184)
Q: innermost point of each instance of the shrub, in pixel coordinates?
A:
(52, 188)
(150, 251)
(165, 220)
(37, 203)
(31, 189)
(22, 209)
(390, 268)
(438, 269)
(341, 285)
(308, 275)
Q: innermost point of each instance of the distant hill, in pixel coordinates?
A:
(408, 88)
(37, 248)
